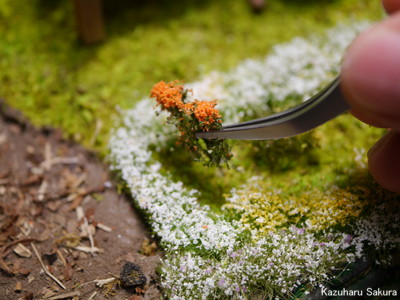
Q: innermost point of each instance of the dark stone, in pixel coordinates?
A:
(50, 257)
(132, 275)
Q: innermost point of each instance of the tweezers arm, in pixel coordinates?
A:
(321, 108)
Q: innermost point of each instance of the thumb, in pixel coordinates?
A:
(371, 74)
(384, 161)
(371, 82)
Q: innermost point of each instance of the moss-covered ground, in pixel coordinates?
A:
(329, 156)
(56, 80)
(46, 72)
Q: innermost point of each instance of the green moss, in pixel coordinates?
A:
(212, 182)
(55, 80)
(316, 160)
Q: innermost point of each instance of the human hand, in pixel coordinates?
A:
(370, 80)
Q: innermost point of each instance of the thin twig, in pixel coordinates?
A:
(64, 296)
(113, 275)
(99, 125)
(89, 233)
(104, 227)
(65, 160)
(85, 229)
(62, 258)
(3, 138)
(102, 282)
(89, 249)
(46, 164)
(81, 179)
(92, 296)
(45, 269)
(42, 190)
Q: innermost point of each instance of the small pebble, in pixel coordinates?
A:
(132, 275)
(108, 184)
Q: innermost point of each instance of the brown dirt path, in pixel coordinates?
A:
(58, 196)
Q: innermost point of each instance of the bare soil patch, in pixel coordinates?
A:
(63, 225)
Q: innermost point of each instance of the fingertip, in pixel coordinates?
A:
(384, 161)
(391, 6)
(371, 74)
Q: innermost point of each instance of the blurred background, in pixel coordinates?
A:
(70, 64)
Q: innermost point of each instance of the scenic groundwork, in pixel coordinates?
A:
(289, 217)
(107, 193)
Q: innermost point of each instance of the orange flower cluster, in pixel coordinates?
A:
(190, 118)
(206, 112)
(170, 95)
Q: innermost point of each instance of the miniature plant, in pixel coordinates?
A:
(191, 117)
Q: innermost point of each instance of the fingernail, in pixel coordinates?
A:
(380, 144)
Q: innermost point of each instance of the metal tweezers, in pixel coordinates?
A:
(322, 107)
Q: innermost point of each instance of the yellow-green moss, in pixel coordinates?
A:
(263, 208)
(55, 80)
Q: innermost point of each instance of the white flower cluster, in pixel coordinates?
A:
(296, 69)
(176, 216)
(207, 256)
(274, 265)
(379, 230)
